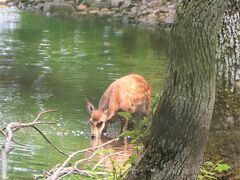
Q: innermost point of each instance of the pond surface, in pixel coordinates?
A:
(48, 63)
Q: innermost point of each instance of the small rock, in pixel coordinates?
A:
(62, 10)
(154, 4)
(94, 12)
(145, 12)
(170, 18)
(142, 20)
(76, 15)
(39, 6)
(119, 14)
(83, 13)
(115, 9)
(101, 5)
(125, 5)
(172, 7)
(105, 13)
(81, 7)
(116, 3)
(164, 9)
(59, 8)
(134, 11)
(105, 9)
(143, 7)
(93, 9)
(152, 16)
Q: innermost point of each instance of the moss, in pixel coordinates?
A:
(226, 107)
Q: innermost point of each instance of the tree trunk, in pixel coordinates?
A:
(226, 114)
(181, 123)
(224, 140)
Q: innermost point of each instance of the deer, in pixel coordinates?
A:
(130, 93)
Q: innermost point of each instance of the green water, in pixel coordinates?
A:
(48, 63)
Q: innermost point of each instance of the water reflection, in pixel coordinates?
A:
(47, 63)
(9, 18)
(122, 150)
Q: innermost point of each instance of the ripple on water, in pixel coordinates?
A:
(47, 63)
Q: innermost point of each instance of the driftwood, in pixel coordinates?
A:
(63, 170)
(8, 133)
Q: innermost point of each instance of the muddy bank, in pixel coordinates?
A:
(156, 13)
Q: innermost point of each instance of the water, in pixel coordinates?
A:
(48, 63)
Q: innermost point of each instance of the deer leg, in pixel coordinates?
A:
(124, 124)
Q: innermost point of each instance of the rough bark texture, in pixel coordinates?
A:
(181, 123)
(228, 48)
(227, 106)
(224, 139)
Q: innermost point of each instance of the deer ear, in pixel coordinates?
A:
(106, 113)
(89, 106)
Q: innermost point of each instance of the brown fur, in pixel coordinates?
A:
(130, 93)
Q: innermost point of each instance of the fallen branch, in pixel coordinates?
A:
(8, 133)
(105, 158)
(61, 171)
(43, 112)
(40, 132)
(2, 132)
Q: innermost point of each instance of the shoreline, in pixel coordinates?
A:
(153, 14)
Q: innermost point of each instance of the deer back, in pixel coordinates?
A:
(130, 93)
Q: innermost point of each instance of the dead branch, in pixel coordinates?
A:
(19, 143)
(62, 171)
(1, 131)
(40, 132)
(83, 160)
(43, 112)
(8, 133)
(105, 158)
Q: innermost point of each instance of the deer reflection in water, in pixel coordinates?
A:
(118, 151)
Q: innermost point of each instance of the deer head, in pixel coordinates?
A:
(97, 120)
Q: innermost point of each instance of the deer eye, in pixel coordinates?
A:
(99, 124)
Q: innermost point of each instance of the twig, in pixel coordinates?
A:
(43, 112)
(8, 132)
(17, 126)
(1, 131)
(38, 177)
(16, 142)
(40, 132)
(83, 160)
(90, 173)
(70, 170)
(59, 171)
(85, 150)
(106, 157)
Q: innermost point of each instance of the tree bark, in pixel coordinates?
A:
(181, 123)
(226, 114)
(224, 139)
